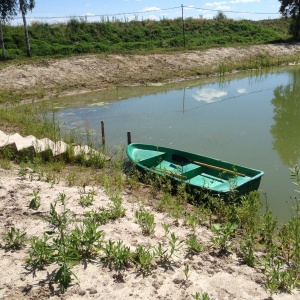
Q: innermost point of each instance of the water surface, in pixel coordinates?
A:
(248, 119)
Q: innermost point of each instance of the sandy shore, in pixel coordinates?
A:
(46, 78)
(221, 277)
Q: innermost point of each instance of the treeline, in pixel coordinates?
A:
(78, 36)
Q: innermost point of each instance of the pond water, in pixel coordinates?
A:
(247, 119)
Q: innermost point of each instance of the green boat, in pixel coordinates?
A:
(197, 171)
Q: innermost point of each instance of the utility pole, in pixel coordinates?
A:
(183, 27)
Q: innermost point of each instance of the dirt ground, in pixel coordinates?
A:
(56, 77)
(221, 277)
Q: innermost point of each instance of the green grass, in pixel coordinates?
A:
(79, 37)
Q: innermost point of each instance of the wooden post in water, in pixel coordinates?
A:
(103, 132)
(128, 138)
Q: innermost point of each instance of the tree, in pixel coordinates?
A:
(291, 8)
(26, 5)
(8, 9)
(220, 16)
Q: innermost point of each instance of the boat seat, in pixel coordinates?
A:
(152, 160)
(191, 170)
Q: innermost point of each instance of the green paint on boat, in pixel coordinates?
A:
(198, 171)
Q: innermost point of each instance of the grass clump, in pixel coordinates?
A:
(146, 221)
(14, 239)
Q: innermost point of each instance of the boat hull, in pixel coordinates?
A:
(197, 171)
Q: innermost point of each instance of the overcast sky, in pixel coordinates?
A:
(155, 9)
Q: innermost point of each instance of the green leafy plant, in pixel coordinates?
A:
(100, 216)
(268, 227)
(86, 239)
(164, 254)
(279, 275)
(23, 171)
(203, 296)
(146, 221)
(166, 228)
(143, 257)
(247, 250)
(40, 252)
(64, 276)
(86, 200)
(192, 220)
(65, 252)
(186, 272)
(116, 254)
(223, 235)
(116, 209)
(193, 245)
(35, 201)
(14, 238)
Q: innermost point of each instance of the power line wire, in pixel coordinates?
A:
(233, 11)
(152, 11)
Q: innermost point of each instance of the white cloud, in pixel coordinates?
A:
(216, 3)
(153, 8)
(220, 7)
(209, 95)
(243, 1)
(241, 91)
(189, 7)
(221, 3)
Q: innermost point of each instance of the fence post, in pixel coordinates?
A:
(128, 138)
(103, 132)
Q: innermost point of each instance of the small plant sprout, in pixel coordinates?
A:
(175, 244)
(166, 228)
(35, 201)
(186, 272)
(14, 238)
(86, 200)
(162, 253)
(22, 171)
(193, 245)
(203, 296)
(146, 221)
(192, 220)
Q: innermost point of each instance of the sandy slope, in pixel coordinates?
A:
(54, 77)
(221, 277)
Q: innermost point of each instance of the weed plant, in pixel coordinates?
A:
(202, 296)
(41, 253)
(86, 239)
(86, 200)
(144, 259)
(193, 245)
(223, 234)
(35, 201)
(146, 221)
(269, 227)
(14, 238)
(116, 254)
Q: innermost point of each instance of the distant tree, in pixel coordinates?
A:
(26, 5)
(8, 9)
(220, 16)
(291, 8)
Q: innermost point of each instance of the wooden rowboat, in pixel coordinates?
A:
(197, 171)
